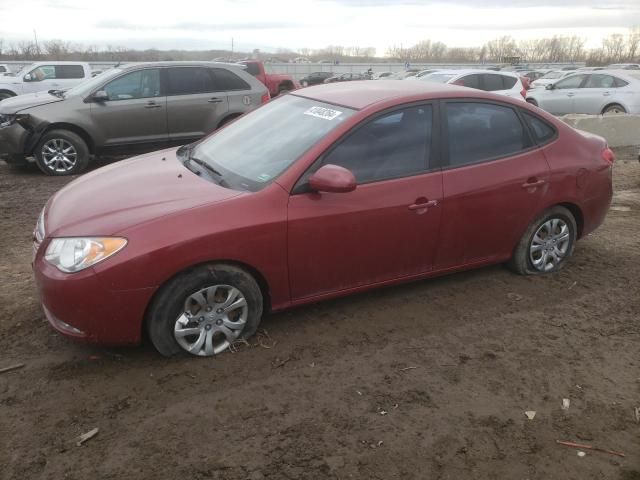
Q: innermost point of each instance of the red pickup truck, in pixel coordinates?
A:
(276, 83)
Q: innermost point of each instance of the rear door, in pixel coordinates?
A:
(385, 229)
(493, 182)
(136, 112)
(195, 105)
(595, 93)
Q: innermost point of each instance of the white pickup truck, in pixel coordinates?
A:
(44, 76)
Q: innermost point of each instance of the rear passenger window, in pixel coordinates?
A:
(69, 71)
(600, 81)
(189, 81)
(394, 145)
(542, 131)
(482, 131)
(471, 81)
(508, 82)
(224, 80)
(493, 83)
(619, 82)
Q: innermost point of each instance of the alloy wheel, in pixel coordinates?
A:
(59, 155)
(213, 318)
(550, 244)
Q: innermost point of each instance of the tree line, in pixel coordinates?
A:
(615, 48)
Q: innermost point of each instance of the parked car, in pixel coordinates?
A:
(550, 77)
(533, 75)
(42, 76)
(421, 74)
(276, 83)
(318, 194)
(624, 66)
(404, 74)
(346, 77)
(4, 69)
(381, 75)
(129, 108)
(315, 78)
(508, 84)
(605, 91)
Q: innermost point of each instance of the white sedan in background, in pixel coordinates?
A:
(595, 93)
(551, 77)
(502, 83)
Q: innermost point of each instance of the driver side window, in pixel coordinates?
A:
(140, 84)
(394, 145)
(44, 72)
(574, 81)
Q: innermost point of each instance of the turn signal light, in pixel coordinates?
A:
(265, 98)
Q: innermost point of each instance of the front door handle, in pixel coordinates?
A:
(606, 94)
(421, 205)
(152, 105)
(570, 94)
(215, 100)
(532, 183)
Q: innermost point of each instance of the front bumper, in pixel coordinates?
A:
(13, 140)
(80, 306)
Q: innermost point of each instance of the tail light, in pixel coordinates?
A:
(608, 156)
(523, 92)
(265, 98)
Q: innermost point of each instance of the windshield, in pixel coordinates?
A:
(552, 75)
(255, 149)
(438, 77)
(86, 87)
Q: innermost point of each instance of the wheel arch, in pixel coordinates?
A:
(10, 92)
(610, 104)
(254, 272)
(577, 213)
(285, 85)
(230, 117)
(72, 128)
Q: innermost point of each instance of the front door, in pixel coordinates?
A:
(560, 99)
(135, 113)
(385, 229)
(492, 186)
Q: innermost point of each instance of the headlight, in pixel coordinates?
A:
(74, 254)
(6, 120)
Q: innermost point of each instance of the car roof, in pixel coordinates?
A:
(131, 66)
(359, 95)
(468, 71)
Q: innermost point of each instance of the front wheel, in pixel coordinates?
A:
(204, 310)
(547, 244)
(61, 152)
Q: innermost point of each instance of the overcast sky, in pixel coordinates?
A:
(271, 24)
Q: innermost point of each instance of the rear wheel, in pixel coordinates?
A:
(614, 108)
(204, 310)
(547, 244)
(61, 152)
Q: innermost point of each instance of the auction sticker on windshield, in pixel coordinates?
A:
(322, 112)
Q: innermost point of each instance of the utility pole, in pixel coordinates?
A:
(35, 37)
(231, 47)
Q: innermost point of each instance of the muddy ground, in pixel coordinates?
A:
(427, 381)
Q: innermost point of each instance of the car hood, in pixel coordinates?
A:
(127, 193)
(21, 102)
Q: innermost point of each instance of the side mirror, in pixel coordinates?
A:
(28, 77)
(549, 86)
(332, 178)
(100, 96)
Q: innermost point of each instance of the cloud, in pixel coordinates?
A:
(113, 24)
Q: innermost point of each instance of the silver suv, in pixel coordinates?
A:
(139, 107)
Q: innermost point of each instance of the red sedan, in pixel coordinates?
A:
(328, 191)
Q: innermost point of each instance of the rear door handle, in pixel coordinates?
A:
(215, 100)
(423, 205)
(570, 94)
(532, 183)
(152, 105)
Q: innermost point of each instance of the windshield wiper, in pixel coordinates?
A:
(204, 164)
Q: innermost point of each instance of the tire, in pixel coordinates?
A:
(523, 258)
(6, 94)
(190, 302)
(613, 108)
(532, 102)
(51, 157)
(283, 91)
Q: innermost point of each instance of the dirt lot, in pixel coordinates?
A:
(454, 362)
